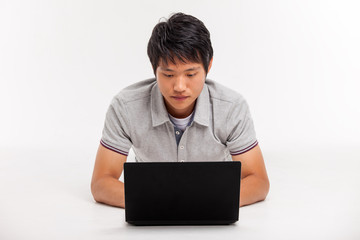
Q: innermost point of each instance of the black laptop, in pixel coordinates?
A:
(182, 193)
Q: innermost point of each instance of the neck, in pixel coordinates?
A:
(180, 113)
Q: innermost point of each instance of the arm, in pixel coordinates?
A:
(105, 185)
(254, 180)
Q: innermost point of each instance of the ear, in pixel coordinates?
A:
(210, 64)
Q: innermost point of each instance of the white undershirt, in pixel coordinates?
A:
(181, 123)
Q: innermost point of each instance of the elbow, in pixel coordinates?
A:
(266, 188)
(94, 191)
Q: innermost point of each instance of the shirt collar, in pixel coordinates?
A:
(202, 107)
(159, 114)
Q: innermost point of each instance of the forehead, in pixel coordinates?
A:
(179, 65)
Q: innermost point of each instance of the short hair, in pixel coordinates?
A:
(182, 37)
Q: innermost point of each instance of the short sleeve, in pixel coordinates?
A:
(115, 135)
(240, 129)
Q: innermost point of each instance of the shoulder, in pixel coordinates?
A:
(138, 91)
(224, 95)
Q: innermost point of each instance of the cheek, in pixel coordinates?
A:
(198, 86)
(163, 86)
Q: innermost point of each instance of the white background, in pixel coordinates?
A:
(296, 62)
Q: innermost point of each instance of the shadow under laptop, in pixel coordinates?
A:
(167, 231)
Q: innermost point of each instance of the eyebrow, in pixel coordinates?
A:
(187, 70)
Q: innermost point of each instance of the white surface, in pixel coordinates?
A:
(45, 195)
(296, 62)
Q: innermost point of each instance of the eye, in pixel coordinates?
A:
(168, 75)
(191, 75)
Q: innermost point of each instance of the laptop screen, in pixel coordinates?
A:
(182, 193)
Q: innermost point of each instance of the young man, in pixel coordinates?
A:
(178, 116)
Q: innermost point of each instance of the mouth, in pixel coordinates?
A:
(180, 98)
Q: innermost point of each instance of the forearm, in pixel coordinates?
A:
(110, 191)
(253, 189)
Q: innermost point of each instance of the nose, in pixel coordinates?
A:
(180, 84)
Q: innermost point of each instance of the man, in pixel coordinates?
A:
(178, 116)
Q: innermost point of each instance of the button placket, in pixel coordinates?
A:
(182, 149)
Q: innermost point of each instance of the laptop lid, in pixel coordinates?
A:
(182, 193)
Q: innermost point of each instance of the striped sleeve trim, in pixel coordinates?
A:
(245, 149)
(113, 148)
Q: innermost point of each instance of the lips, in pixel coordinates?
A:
(179, 98)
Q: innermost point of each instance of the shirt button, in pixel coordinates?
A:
(181, 147)
(177, 132)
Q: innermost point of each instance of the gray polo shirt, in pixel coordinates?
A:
(137, 117)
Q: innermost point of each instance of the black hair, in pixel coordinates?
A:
(182, 37)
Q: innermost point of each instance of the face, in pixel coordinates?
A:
(180, 84)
